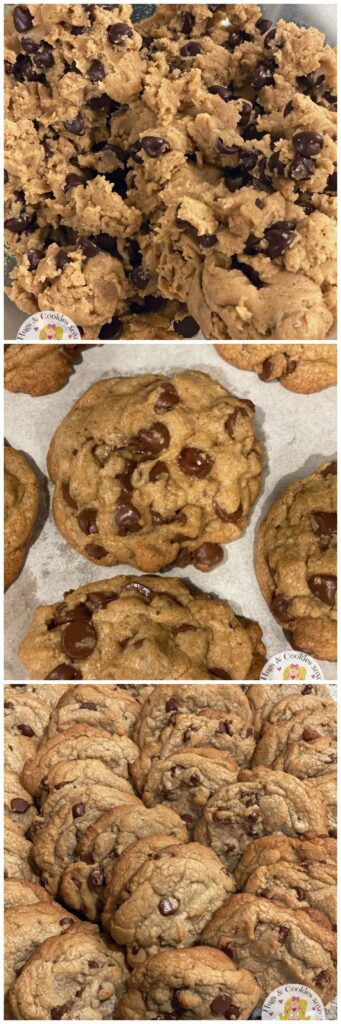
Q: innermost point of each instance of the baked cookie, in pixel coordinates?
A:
(18, 861)
(277, 944)
(327, 786)
(21, 489)
(136, 627)
(307, 759)
(77, 743)
(17, 750)
(55, 842)
(300, 368)
(109, 707)
(176, 983)
(302, 887)
(26, 928)
(25, 714)
(166, 701)
(48, 987)
(154, 470)
(277, 703)
(125, 867)
(18, 804)
(84, 882)
(39, 369)
(260, 803)
(296, 561)
(169, 900)
(18, 893)
(306, 725)
(273, 849)
(67, 777)
(187, 779)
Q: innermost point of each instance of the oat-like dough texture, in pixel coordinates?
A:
(201, 983)
(135, 628)
(77, 975)
(39, 369)
(300, 368)
(169, 901)
(21, 491)
(20, 893)
(263, 801)
(151, 469)
(78, 742)
(165, 701)
(271, 850)
(306, 725)
(184, 159)
(18, 862)
(278, 703)
(277, 944)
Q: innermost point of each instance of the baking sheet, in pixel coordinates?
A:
(298, 431)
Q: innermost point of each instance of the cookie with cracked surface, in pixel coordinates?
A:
(306, 760)
(126, 865)
(102, 631)
(300, 368)
(67, 777)
(25, 713)
(166, 701)
(21, 489)
(302, 887)
(39, 369)
(277, 944)
(84, 883)
(327, 786)
(169, 900)
(76, 975)
(202, 983)
(18, 803)
(306, 725)
(296, 561)
(54, 843)
(260, 803)
(26, 928)
(20, 893)
(109, 707)
(18, 861)
(272, 849)
(77, 743)
(187, 779)
(279, 702)
(174, 467)
(17, 750)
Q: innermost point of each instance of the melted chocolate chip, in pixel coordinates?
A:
(78, 640)
(25, 730)
(280, 608)
(87, 520)
(168, 905)
(194, 462)
(150, 441)
(207, 556)
(97, 878)
(158, 470)
(228, 517)
(324, 588)
(95, 551)
(127, 519)
(223, 1006)
(167, 398)
(19, 806)
(279, 236)
(187, 327)
(172, 704)
(324, 523)
(64, 671)
(67, 496)
(22, 19)
(282, 934)
(139, 588)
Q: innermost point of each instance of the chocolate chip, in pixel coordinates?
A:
(223, 1005)
(324, 523)
(61, 260)
(64, 614)
(235, 39)
(88, 247)
(22, 19)
(57, 1012)
(300, 893)
(150, 441)
(308, 143)
(67, 496)
(127, 519)
(118, 33)
(98, 599)
(207, 240)
(93, 964)
(112, 330)
(263, 25)
(64, 671)
(96, 71)
(159, 469)
(97, 878)
(230, 422)
(223, 91)
(323, 978)
(172, 704)
(225, 727)
(282, 933)
(279, 236)
(78, 640)
(77, 30)
(263, 76)
(25, 730)
(191, 49)
(155, 145)
(72, 181)
(288, 108)
(248, 159)
(207, 556)
(87, 520)
(291, 366)
(78, 810)
(168, 905)
(88, 705)
(245, 114)
(76, 126)
(34, 256)
(20, 806)
(166, 400)
(43, 57)
(140, 278)
(187, 327)
(194, 462)
(139, 588)
(18, 225)
(270, 36)
(301, 168)
(331, 186)
(330, 470)
(324, 588)
(228, 517)
(218, 673)
(188, 23)
(96, 551)
(280, 608)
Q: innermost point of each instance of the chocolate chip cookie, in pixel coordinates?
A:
(39, 369)
(296, 561)
(308, 759)
(166, 701)
(327, 786)
(18, 804)
(21, 490)
(109, 707)
(300, 368)
(261, 802)
(200, 983)
(25, 713)
(18, 861)
(277, 944)
(300, 887)
(74, 975)
(20, 893)
(169, 900)
(17, 750)
(306, 725)
(78, 742)
(187, 779)
(63, 780)
(135, 628)
(272, 849)
(26, 927)
(275, 703)
(126, 866)
(154, 470)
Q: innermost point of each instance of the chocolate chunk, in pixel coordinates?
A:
(78, 640)
(62, 259)
(76, 126)
(72, 181)
(308, 143)
(291, 366)
(187, 327)
(324, 523)
(150, 441)
(112, 330)
(194, 462)
(140, 278)
(140, 588)
(67, 496)
(191, 49)
(282, 934)
(88, 247)
(301, 168)
(64, 671)
(78, 810)
(223, 1006)
(228, 517)
(20, 806)
(96, 71)
(22, 19)
(25, 730)
(223, 91)
(167, 398)
(97, 878)
(155, 145)
(168, 905)
(87, 520)
(324, 588)
(118, 32)
(263, 76)
(188, 23)
(34, 256)
(127, 519)
(280, 608)
(330, 470)
(207, 556)
(263, 25)
(96, 551)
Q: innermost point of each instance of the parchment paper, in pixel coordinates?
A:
(298, 431)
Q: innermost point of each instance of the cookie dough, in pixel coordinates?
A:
(39, 369)
(300, 368)
(296, 561)
(132, 628)
(21, 490)
(182, 159)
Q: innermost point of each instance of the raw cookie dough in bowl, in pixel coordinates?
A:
(190, 157)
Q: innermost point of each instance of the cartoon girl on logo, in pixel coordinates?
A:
(51, 333)
(295, 1009)
(294, 672)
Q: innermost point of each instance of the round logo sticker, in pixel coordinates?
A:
(48, 326)
(290, 665)
(293, 1002)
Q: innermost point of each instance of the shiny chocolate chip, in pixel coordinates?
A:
(280, 608)
(263, 76)
(158, 470)
(279, 237)
(324, 523)
(194, 462)
(301, 168)
(96, 71)
(230, 422)
(118, 32)
(191, 49)
(308, 143)
(88, 247)
(75, 126)
(22, 19)
(64, 671)
(150, 441)
(19, 806)
(78, 810)
(34, 256)
(127, 519)
(228, 517)
(155, 145)
(207, 556)
(78, 640)
(139, 588)
(167, 398)
(324, 588)
(87, 520)
(223, 91)
(18, 225)
(168, 905)
(263, 25)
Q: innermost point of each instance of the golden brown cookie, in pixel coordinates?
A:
(39, 369)
(21, 509)
(300, 368)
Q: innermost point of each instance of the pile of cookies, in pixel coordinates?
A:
(169, 850)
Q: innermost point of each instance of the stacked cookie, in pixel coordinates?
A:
(179, 824)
